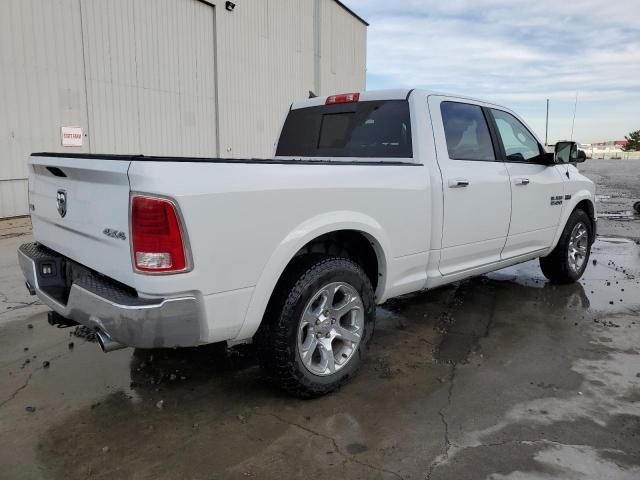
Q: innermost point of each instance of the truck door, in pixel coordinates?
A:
(537, 190)
(476, 192)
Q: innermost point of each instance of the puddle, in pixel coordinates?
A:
(618, 215)
(462, 327)
(506, 349)
(621, 208)
(600, 198)
(616, 240)
(13, 235)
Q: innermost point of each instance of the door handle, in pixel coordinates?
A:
(522, 181)
(458, 182)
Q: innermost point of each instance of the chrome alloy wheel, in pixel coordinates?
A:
(578, 247)
(331, 328)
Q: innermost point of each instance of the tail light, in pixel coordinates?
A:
(156, 236)
(344, 98)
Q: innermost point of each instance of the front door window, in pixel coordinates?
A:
(519, 144)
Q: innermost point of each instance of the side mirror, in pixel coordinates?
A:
(582, 156)
(566, 152)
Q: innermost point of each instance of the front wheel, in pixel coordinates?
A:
(318, 325)
(568, 261)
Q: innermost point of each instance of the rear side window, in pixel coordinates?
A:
(466, 131)
(380, 129)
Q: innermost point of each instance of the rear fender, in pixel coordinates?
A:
(298, 238)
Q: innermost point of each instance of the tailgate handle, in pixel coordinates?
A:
(55, 171)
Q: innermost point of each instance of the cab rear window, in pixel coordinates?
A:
(380, 129)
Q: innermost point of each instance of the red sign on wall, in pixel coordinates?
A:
(71, 136)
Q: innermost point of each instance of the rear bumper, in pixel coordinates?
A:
(104, 305)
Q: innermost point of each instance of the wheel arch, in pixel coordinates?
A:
(329, 230)
(588, 207)
(582, 200)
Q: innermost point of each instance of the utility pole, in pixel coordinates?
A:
(546, 128)
(575, 107)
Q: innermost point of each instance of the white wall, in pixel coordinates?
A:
(41, 87)
(271, 52)
(343, 50)
(164, 77)
(150, 76)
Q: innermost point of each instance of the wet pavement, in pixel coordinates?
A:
(503, 376)
(618, 189)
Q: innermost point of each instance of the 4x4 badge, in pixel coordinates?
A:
(117, 234)
(61, 198)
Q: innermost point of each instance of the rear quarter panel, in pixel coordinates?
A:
(237, 215)
(245, 221)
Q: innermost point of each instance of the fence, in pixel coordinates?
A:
(613, 155)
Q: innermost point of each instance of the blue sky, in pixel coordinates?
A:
(516, 53)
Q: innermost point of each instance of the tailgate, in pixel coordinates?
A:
(80, 208)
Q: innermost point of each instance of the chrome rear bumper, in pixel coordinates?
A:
(112, 309)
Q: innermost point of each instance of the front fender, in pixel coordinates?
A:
(297, 238)
(576, 198)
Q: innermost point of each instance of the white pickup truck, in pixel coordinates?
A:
(369, 196)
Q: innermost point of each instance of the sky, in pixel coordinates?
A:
(517, 54)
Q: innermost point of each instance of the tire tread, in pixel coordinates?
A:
(555, 266)
(276, 334)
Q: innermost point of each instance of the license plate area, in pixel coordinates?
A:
(56, 274)
(53, 276)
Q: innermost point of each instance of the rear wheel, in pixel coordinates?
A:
(318, 325)
(568, 261)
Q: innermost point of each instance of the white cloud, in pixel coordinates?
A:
(517, 53)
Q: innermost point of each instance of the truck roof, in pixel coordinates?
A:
(388, 94)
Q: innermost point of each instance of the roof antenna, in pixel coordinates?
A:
(575, 107)
(312, 95)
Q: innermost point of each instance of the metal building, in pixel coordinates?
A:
(163, 77)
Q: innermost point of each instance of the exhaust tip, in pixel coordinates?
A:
(106, 343)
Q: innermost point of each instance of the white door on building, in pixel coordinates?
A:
(151, 77)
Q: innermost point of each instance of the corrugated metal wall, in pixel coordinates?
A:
(343, 50)
(265, 60)
(41, 87)
(164, 77)
(150, 67)
(281, 60)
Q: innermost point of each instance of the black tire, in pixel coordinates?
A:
(555, 266)
(278, 336)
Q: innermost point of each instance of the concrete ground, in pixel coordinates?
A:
(618, 188)
(502, 377)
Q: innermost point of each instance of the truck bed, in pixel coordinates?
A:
(237, 212)
(257, 161)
